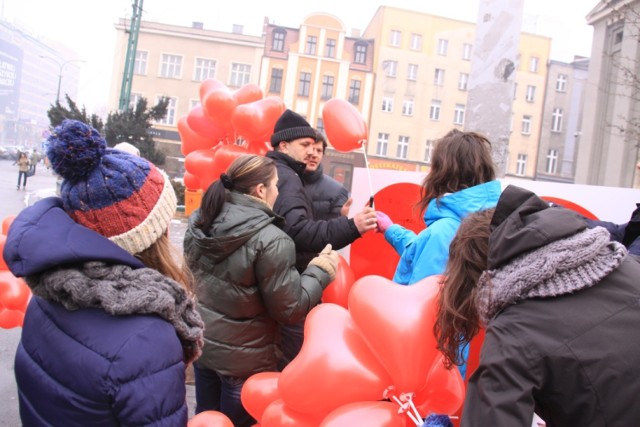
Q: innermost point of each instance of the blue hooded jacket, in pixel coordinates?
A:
(426, 254)
(86, 367)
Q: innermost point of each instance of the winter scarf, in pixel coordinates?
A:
(562, 267)
(121, 290)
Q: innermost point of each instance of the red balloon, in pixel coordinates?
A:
(334, 367)
(259, 147)
(6, 223)
(570, 205)
(259, 391)
(371, 414)
(397, 201)
(256, 120)
(201, 163)
(191, 182)
(205, 127)
(14, 292)
(397, 322)
(248, 93)
(338, 291)
(210, 419)
(218, 105)
(3, 264)
(209, 85)
(344, 125)
(277, 414)
(191, 141)
(11, 318)
(443, 392)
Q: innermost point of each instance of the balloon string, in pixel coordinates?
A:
(408, 408)
(366, 163)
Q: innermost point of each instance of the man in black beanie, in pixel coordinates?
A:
(292, 140)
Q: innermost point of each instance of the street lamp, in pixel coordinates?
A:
(61, 67)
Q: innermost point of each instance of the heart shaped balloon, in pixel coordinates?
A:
(370, 414)
(338, 291)
(443, 392)
(277, 414)
(259, 391)
(397, 322)
(190, 140)
(334, 366)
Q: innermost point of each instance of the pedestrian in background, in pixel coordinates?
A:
(112, 324)
(247, 283)
(34, 158)
(23, 169)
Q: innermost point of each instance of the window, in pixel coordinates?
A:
(403, 147)
(561, 83)
(193, 103)
(412, 72)
(170, 118)
(552, 161)
(320, 125)
(533, 64)
(383, 143)
(416, 41)
(458, 114)
(327, 87)
(133, 100)
(240, 74)
(277, 43)
(521, 164)
(310, 48)
(443, 46)
(434, 111)
(387, 105)
(330, 51)
(395, 37)
(466, 51)
(360, 56)
(526, 125)
(428, 150)
(171, 66)
(391, 68)
(205, 69)
(276, 80)
(354, 91)
(407, 107)
(531, 93)
(438, 77)
(305, 84)
(140, 65)
(556, 120)
(463, 81)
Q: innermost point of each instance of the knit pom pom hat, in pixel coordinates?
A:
(118, 195)
(290, 126)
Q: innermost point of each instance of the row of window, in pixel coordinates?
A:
(304, 85)
(415, 43)
(311, 46)
(171, 67)
(556, 122)
(551, 166)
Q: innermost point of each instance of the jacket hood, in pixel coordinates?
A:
(461, 203)
(523, 222)
(240, 218)
(43, 236)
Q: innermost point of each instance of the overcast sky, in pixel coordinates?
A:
(87, 26)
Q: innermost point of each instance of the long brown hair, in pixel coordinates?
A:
(244, 175)
(163, 257)
(460, 160)
(457, 318)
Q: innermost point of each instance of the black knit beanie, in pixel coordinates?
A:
(290, 126)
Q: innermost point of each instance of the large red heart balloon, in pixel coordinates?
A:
(370, 414)
(256, 120)
(209, 85)
(259, 391)
(334, 366)
(344, 125)
(210, 419)
(204, 126)
(14, 292)
(397, 322)
(248, 93)
(219, 105)
(191, 181)
(3, 264)
(338, 291)
(190, 140)
(201, 163)
(11, 318)
(277, 414)
(443, 392)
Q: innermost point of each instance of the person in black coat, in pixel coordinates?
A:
(559, 302)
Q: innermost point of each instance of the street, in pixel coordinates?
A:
(13, 201)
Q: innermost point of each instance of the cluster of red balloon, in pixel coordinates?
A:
(224, 126)
(14, 292)
(362, 365)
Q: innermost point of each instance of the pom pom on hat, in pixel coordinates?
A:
(118, 195)
(290, 126)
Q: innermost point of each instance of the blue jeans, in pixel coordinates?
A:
(216, 392)
(291, 337)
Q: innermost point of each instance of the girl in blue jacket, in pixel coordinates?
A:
(112, 324)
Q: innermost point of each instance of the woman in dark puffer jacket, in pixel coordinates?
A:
(246, 281)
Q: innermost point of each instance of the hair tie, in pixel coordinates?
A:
(226, 181)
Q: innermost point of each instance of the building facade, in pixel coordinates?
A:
(608, 148)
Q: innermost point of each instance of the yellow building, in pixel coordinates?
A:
(422, 64)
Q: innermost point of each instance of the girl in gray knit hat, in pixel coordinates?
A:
(559, 302)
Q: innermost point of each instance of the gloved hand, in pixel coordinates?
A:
(327, 260)
(383, 221)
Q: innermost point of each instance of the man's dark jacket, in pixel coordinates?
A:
(327, 195)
